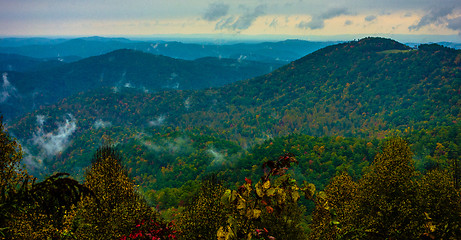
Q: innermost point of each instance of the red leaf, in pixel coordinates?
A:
(248, 181)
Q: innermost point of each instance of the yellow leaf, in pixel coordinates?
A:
(267, 184)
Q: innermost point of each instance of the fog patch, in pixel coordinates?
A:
(174, 146)
(159, 121)
(128, 85)
(101, 124)
(187, 103)
(218, 158)
(31, 161)
(52, 143)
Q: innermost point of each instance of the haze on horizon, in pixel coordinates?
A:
(418, 19)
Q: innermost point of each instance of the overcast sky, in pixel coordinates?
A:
(236, 17)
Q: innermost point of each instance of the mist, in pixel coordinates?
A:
(52, 143)
(8, 90)
(159, 121)
(101, 124)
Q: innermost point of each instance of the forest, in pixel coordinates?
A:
(358, 140)
(384, 198)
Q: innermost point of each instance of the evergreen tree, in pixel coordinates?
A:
(117, 208)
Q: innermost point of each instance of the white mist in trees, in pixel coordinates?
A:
(8, 89)
(218, 158)
(187, 103)
(159, 121)
(52, 143)
(176, 146)
(101, 124)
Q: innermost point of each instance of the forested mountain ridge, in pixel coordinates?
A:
(362, 88)
(122, 68)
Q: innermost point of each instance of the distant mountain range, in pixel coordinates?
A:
(66, 50)
(47, 82)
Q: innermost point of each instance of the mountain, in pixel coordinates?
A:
(118, 69)
(274, 52)
(366, 88)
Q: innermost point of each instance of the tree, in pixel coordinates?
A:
(335, 209)
(269, 209)
(30, 210)
(14, 178)
(387, 194)
(116, 208)
(391, 201)
(42, 208)
(440, 202)
(202, 218)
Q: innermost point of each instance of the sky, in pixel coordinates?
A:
(306, 18)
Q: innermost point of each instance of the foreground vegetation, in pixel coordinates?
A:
(390, 200)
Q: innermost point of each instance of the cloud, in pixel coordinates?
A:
(333, 12)
(215, 11)
(313, 24)
(348, 22)
(455, 24)
(370, 18)
(242, 22)
(318, 22)
(8, 90)
(52, 143)
(436, 16)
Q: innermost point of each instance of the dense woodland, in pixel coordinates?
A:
(358, 140)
